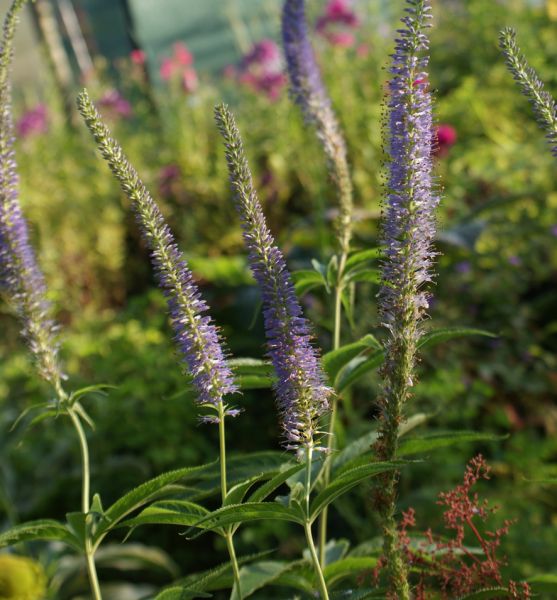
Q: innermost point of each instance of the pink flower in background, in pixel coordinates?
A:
(554, 230)
(33, 122)
(445, 137)
(168, 176)
(337, 23)
(179, 66)
(264, 54)
(115, 104)
(260, 69)
(138, 57)
(182, 55)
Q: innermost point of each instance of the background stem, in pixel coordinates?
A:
(224, 490)
(334, 407)
(85, 496)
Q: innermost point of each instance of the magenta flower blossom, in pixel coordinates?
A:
(261, 70)
(138, 57)
(115, 104)
(179, 67)
(33, 122)
(444, 138)
(337, 23)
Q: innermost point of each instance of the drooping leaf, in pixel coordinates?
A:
(197, 584)
(364, 444)
(168, 512)
(138, 497)
(305, 281)
(432, 441)
(348, 567)
(275, 482)
(40, 530)
(365, 275)
(432, 338)
(336, 359)
(135, 557)
(238, 492)
(257, 575)
(362, 256)
(242, 513)
(239, 468)
(346, 482)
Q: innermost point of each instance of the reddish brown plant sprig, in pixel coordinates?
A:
(450, 564)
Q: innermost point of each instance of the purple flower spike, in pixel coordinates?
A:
(303, 397)
(20, 276)
(409, 220)
(195, 334)
(308, 91)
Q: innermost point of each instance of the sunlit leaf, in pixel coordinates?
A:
(242, 513)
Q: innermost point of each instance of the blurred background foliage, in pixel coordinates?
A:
(497, 271)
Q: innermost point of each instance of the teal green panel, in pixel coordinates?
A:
(214, 30)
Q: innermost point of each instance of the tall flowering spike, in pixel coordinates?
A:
(302, 395)
(545, 107)
(308, 91)
(408, 233)
(196, 336)
(20, 276)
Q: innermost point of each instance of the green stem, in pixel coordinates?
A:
(334, 408)
(309, 536)
(85, 495)
(224, 490)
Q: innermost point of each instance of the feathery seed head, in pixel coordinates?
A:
(545, 107)
(303, 397)
(20, 276)
(195, 334)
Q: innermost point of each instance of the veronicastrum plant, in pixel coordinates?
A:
(299, 485)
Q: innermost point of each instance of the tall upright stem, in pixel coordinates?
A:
(334, 407)
(224, 490)
(85, 496)
(307, 528)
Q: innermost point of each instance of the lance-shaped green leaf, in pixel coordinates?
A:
(168, 512)
(270, 486)
(242, 513)
(252, 373)
(432, 338)
(432, 441)
(257, 575)
(357, 368)
(238, 492)
(195, 585)
(335, 360)
(305, 281)
(357, 259)
(348, 567)
(42, 530)
(346, 482)
(138, 497)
